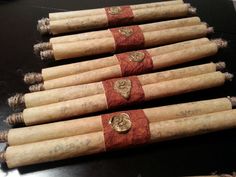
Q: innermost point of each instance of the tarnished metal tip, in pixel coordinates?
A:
(43, 27)
(36, 87)
(220, 43)
(2, 157)
(220, 66)
(229, 76)
(232, 100)
(42, 46)
(3, 136)
(15, 119)
(210, 30)
(192, 10)
(32, 78)
(16, 101)
(47, 55)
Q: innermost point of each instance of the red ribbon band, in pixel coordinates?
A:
(133, 63)
(139, 133)
(128, 38)
(123, 91)
(119, 15)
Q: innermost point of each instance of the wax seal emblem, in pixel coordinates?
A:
(114, 10)
(136, 56)
(121, 123)
(123, 87)
(126, 31)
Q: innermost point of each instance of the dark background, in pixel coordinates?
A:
(199, 155)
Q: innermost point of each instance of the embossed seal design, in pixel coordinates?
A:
(121, 123)
(114, 10)
(123, 87)
(126, 31)
(136, 56)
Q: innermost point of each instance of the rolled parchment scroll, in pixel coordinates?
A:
(145, 28)
(79, 67)
(81, 13)
(118, 92)
(132, 63)
(75, 146)
(123, 39)
(114, 16)
(79, 91)
(107, 33)
(85, 125)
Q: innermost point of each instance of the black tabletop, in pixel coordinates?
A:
(198, 155)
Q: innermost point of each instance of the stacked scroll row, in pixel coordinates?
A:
(158, 35)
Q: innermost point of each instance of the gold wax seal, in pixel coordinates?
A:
(121, 123)
(114, 10)
(126, 31)
(123, 87)
(136, 56)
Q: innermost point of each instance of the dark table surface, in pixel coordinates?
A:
(200, 155)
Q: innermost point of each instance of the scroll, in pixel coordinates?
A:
(132, 63)
(78, 91)
(114, 16)
(124, 39)
(18, 136)
(42, 46)
(81, 13)
(117, 92)
(120, 130)
(80, 67)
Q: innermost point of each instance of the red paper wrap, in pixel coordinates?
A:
(133, 63)
(116, 99)
(119, 15)
(128, 38)
(139, 132)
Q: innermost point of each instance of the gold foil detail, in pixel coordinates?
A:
(136, 56)
(114, 10)
(121, 123)
(126, 31)
(123, 87)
